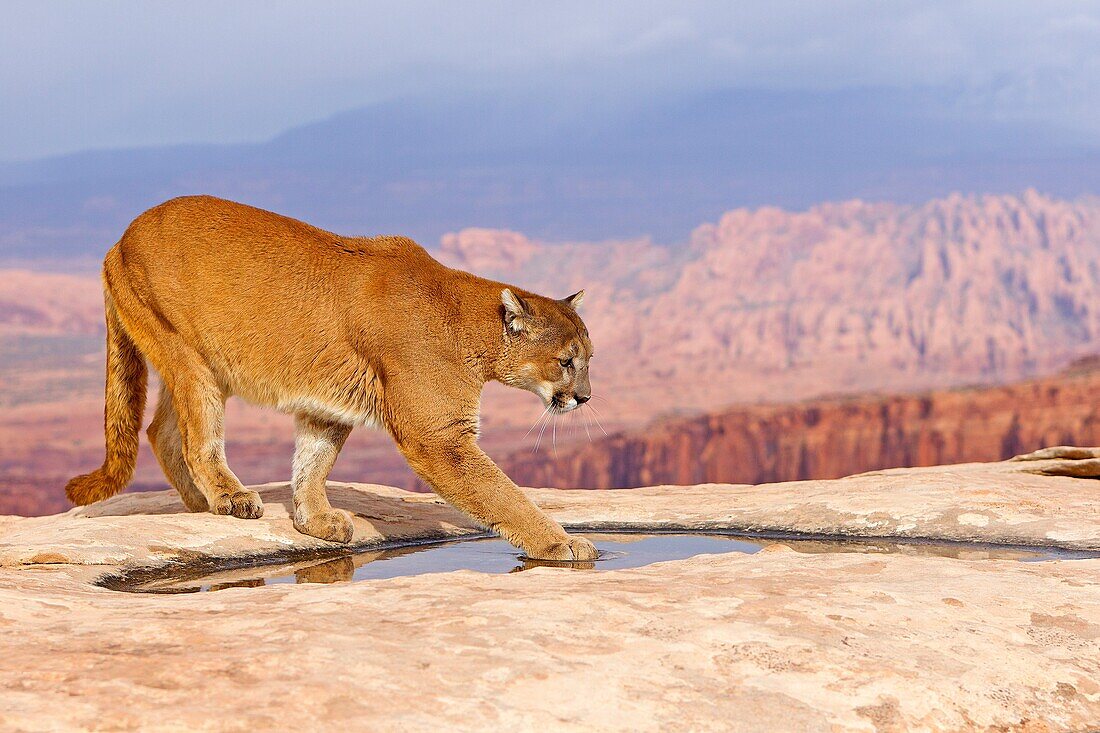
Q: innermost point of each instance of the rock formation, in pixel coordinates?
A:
(46, 303)
(831, 438)
(776, 305)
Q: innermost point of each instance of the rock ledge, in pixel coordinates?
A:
(780, 640)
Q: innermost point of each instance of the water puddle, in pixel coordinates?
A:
(617, 551)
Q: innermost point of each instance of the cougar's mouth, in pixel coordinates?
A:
(559, 404)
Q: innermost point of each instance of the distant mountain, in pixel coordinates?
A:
(426, 166)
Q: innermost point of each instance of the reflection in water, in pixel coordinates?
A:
(246, 583)
(329, 571)
(526, 563)
(955, 551)
(617, 551)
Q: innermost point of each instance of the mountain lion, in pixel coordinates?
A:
(225, 299)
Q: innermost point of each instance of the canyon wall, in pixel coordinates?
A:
(830, 438)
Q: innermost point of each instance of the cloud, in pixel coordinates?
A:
(116, 74)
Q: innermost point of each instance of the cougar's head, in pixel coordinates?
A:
(546, 349)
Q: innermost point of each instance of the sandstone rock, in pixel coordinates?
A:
(771, 304)
(485, 249)
(43, 303)
(829, 438)
(779, 640)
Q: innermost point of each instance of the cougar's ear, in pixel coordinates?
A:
(517, 313)
(574, 301)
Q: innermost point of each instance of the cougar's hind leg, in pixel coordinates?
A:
(164, 435)
(200, 412)
(195, 394)
(317, 442)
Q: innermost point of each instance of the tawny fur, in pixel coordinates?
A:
(225, 299)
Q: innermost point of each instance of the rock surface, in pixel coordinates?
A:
(779, 640)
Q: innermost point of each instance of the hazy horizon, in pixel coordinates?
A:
(127, 75)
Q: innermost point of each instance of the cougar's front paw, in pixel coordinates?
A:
(194, 500)
(333, 525)
(244, 504)
(570, 549)
(582, 549)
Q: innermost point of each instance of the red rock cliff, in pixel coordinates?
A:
(830, 438)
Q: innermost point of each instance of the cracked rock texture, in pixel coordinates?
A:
(779, 640)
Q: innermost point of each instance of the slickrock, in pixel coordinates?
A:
(779, 640)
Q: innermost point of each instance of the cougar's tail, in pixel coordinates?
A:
(122, 415)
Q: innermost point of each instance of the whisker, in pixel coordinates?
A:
(538, 439)
(586, 430)
(596, 415)
(536, 422)
(541, 421)
(545, 423)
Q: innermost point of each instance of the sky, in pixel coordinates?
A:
(78, 75)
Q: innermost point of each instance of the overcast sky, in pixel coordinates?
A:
(77, 75)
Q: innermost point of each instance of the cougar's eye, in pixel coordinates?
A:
(566, 363)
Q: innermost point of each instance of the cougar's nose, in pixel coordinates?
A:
(581, 399)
